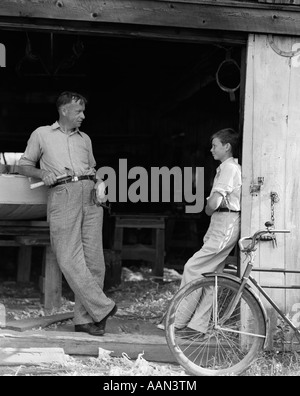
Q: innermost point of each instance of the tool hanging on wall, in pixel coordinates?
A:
(227, 71)
(274, 199)
(33, 64)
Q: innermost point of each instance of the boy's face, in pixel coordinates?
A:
(220, 151)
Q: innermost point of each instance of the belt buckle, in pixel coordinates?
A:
(75, 179)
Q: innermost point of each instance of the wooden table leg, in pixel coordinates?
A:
(24, 264)
(158, 265)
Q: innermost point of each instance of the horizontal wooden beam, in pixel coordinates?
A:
(125, 31)
(154, 347)
(31, 356)
(39, 322)
(232, 16)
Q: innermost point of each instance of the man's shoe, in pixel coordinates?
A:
(101, 325)
(188, 333)
(89, 328)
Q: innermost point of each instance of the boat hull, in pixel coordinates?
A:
(18, 201)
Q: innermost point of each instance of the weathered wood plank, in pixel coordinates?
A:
(198, 14)
(118, 30)
(7, 242)
(270, 131)
(248, 202)
(21, 227)
(41, 322)
(292, 187)
(271, 151)
(33, 240)
(155, 347)
(31, 356)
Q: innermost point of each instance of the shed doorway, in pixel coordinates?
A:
(153, 102)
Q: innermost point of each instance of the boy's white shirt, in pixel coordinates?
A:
(228, 182)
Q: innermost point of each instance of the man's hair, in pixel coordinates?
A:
(228, 135)
(67, 97)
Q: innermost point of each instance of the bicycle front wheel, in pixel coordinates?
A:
(234, 337)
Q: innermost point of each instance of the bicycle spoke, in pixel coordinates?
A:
(240, 332)
(227, 348)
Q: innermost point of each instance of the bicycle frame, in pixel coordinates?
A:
(243, 281)
(275, 306)
(238, 327)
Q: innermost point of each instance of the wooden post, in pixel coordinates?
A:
(52, 281)
(24, 264)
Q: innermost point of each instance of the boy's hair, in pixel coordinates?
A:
(67, 97)
(228, 135)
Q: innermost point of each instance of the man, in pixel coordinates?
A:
(223, 205)
(75, 220)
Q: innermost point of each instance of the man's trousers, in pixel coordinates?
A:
(76, 239)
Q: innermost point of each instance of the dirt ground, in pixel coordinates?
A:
(141, 300)
(139, 296)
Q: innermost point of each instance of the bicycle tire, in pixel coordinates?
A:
(226, 351)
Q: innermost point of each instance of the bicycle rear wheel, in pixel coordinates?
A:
(229, 346)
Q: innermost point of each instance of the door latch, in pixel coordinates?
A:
(255, 187)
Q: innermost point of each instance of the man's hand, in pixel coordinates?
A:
(49, 178)
(100, 191)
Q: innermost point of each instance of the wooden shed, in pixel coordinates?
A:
(155, 76)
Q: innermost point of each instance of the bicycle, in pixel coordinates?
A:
(238, 324)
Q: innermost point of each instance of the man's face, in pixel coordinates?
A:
(74, 113)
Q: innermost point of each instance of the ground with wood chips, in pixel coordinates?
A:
(133, 345)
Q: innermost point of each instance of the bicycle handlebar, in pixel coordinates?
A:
(257, 236)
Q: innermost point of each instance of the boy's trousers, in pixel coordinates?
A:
(220, 238)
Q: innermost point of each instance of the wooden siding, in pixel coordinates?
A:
(271, 150)
(236, 16)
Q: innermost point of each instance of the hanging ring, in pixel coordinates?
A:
(222, 86)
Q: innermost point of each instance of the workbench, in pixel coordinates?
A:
(155, 252)
(25, 235)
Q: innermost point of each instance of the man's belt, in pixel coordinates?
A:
(226, 210)
(71, 179)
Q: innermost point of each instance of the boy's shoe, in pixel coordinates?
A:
(162, 324)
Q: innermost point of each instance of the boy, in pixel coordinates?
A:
(223, 205)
